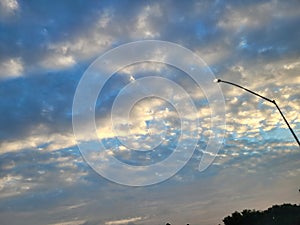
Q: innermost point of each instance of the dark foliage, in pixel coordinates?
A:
(286, 214)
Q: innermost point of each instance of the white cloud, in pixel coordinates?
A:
(39, 136)
(9, 6)
(11, 185)
(58, 61)
(73, 222)
(144, 27)
(105, 18)
(291, 66)
(67, 53)
(12, 67)
(123, 221)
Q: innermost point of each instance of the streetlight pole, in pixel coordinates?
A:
(267, 99)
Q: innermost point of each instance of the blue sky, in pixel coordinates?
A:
(45, 47)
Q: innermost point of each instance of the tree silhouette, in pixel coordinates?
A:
(286, 214)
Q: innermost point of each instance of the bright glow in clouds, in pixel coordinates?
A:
(151, 86)
(45, 47)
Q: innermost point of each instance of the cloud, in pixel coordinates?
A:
(145, 26)
(58, 61)
(124, 221)
(269, 76)
(9, 7)
(73, 222)
(11, 68)
(8, 186)
(43, 142)
(46, 47)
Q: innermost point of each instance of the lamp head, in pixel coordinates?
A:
(217, 80)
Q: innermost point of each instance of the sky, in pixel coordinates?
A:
(47, 46)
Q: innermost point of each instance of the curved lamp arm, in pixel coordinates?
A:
(267, 99)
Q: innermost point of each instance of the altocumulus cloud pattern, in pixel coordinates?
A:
(45, 48)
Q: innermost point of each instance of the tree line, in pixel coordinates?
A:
(286, 214)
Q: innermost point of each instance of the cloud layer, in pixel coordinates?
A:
(45, 49)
